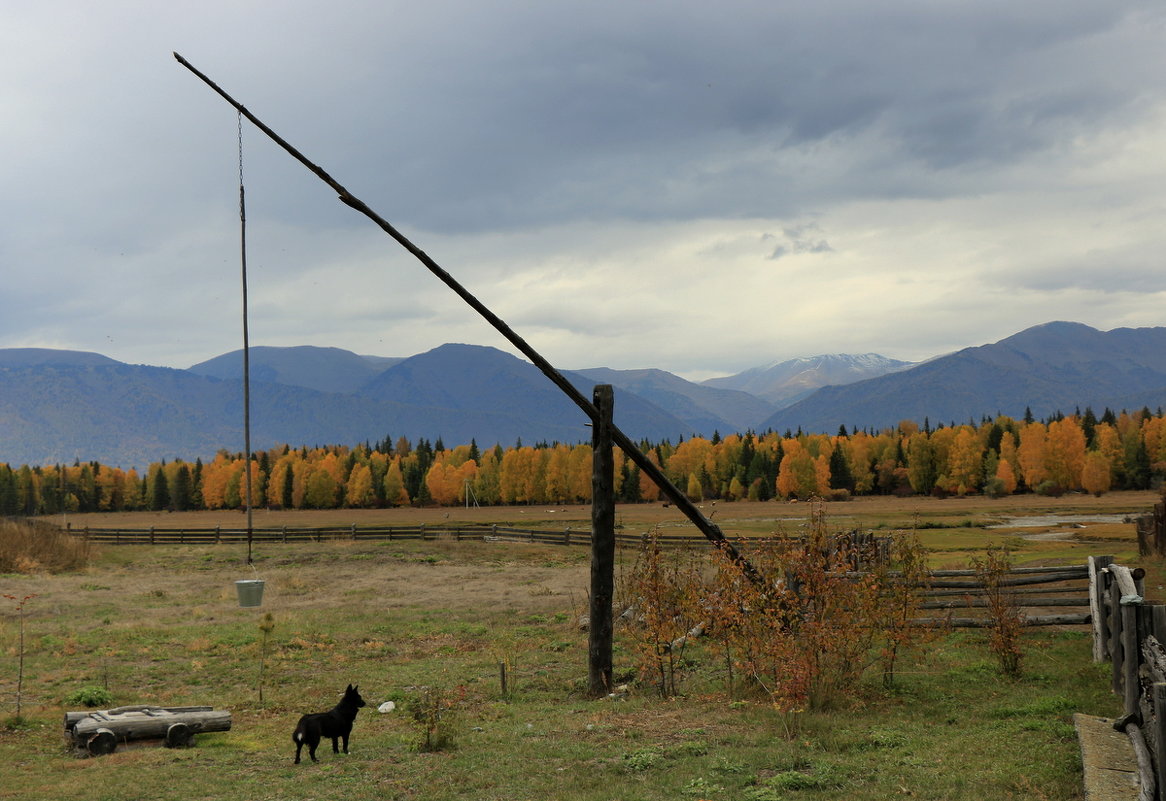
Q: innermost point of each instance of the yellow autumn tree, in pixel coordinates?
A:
(796, 476)
(965, 462)
(1095, 473)
(648, 489)
(395, 494)
(1008, 454)
(1065, 453)
(579, 473)
(1007, 476)
(558, 474)
(1031, 454)
(486, 487)
(359, 492)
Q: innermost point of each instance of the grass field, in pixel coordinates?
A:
(161, 625)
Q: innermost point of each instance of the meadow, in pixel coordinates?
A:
(432, 626)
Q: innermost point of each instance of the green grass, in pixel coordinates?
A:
(161, 626)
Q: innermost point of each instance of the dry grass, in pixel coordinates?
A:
(33, 547)
(161, 625)
(742, 517)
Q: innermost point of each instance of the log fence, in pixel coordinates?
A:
(1130, 633)
(203, 536)
(1033, 589)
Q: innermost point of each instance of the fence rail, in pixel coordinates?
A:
(156, 535)
(1032, 588)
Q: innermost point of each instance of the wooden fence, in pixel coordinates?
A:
(1131, 634)
(155, 535)
(1034, 589)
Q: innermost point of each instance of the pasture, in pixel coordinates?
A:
(432, 625)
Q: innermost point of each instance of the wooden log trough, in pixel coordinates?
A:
(101, 732)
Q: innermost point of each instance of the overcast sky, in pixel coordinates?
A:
(700, 187)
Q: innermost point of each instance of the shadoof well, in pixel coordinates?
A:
(604, 432)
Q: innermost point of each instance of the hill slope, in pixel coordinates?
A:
(57, 407)
(704, 408)
(322, 369)
(1053, 367)
(787, 382)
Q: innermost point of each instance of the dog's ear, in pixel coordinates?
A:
(350, 688)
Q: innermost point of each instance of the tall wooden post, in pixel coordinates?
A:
(602, 545)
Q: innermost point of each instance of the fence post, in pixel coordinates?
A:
(1115, 639)
(1129, 647)
(1097, 596)
(151, 535)
(352, 531)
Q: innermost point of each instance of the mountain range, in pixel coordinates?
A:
(64, 406)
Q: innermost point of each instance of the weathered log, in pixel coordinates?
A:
(179, 735)
(149, 723)
(1125, 578)
(983, 622)
(977, 603)
(71, 718)
(1015, 581)
(1015, 591)
(101, 741)
(1154, 657)
(1147, 779)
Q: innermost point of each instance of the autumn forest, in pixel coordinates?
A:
(1079, 452)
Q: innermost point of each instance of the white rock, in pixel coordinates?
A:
(387, 706)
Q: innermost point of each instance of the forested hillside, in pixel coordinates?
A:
(997, 457)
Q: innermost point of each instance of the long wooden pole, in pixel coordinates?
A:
(712, 532)
(600, 634)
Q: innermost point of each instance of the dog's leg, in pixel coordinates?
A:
(345, 738)
(299, 745)
(335, 745)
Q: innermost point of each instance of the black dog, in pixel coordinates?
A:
(336, 724)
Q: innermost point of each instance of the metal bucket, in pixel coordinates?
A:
(250, 592)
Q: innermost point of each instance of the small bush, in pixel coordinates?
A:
(1049, 489)
(90, 697)
(995, 488)
(434, 716)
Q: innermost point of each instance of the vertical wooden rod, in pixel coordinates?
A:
(599, 658)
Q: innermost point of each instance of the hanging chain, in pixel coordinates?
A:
(239, 121)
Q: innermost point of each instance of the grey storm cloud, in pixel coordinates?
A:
(603, 138)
